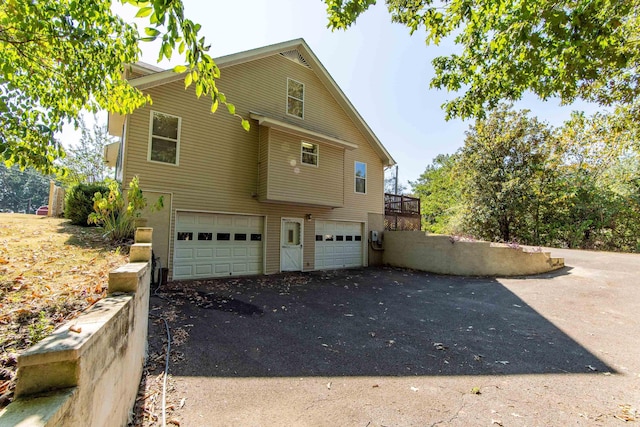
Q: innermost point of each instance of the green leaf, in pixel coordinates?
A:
(167, 50)
(150, 31)
(246, 125)
(188, 79)
(179, 69)
(144, 12)
(214, 106)
(231, 108)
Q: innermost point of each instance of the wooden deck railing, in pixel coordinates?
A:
(401, 212)
(395, 204)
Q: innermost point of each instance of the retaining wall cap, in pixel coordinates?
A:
(66, 344)
(133, 268)
(35, 411)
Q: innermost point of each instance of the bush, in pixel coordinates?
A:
(78, 204)
(116, 217)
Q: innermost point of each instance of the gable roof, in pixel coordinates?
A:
(296, 50)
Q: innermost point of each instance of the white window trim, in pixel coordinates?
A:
(286, 105)
(355, 177)
(168, 139)
(317, 154)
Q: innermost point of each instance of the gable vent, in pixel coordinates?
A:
(294, 55)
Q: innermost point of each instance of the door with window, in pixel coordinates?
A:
(291, 244)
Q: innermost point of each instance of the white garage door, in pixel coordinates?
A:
(215, 245)
(338, 244)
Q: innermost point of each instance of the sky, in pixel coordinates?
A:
(384, 71)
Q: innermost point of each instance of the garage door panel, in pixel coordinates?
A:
(184, 253)
(205, 220)
(240, 252)
(225, 245)
(183, 270)
(204, 253)
(338, 244)
(222, 253)
(203, 269)
(222, 269)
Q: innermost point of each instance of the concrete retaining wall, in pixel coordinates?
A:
(448, 255)
(87, 372)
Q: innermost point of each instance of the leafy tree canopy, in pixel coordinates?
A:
(60, 57)
(84, 162)
(571, 49)
(22, 190)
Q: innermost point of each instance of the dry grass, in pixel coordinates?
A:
(50, 271)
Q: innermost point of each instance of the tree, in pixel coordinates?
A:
(390, 184)
(504, 159)
(85, 162)
(439, 189)
(584, 49)
(58, 58)
(599, 171)
(22, 190)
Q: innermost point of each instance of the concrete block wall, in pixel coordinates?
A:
(88, 371)
(446, 255)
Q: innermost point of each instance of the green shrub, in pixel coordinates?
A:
(78, 204)
(117, 217)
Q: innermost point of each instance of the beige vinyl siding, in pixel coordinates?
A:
(263, 162)
(220, 162)
(289, 180)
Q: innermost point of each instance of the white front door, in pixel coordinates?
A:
(291, 244)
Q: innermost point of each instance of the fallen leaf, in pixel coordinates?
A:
(439, 346)
(475, 390)
(414, 389)
(76, 329)
(329, 385)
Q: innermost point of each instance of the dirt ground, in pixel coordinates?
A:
(393, 347)
(50, 271)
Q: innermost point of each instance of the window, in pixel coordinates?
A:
(295, 98)
(256, 237)
(239, 236)
(361, 177)
(358, 238)
(185, 235)
(223, 236)
(309, 153)
(318, 237)
(349, 238)
(339, 238)
(205, 236)
(164, 138)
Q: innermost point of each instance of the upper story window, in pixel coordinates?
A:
(361, 177)
(164, 138)
(309, 153)
(295, 98)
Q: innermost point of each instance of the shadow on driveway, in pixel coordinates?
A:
(361, 322)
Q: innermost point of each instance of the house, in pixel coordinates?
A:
(299, 191)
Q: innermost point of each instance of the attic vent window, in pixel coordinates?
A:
(294, 55)
(295, 98)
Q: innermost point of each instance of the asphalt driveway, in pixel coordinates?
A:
(393, 347)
